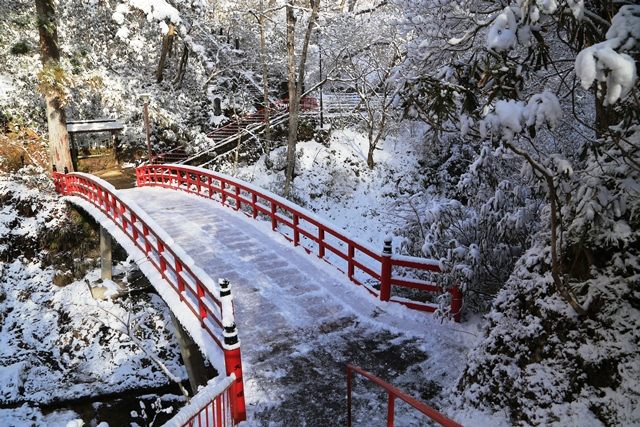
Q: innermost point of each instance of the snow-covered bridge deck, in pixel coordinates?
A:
(289, 305)
(300, 320)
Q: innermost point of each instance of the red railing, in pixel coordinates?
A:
(393, 394)
(211, 407)
(362, 264)
(194, 287)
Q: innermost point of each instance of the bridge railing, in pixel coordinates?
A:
(210, 304)
(394, 393)
(376, 271)
(211, 407)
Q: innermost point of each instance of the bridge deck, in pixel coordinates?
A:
(300, 321)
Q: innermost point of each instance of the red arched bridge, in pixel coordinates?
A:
(181, 239)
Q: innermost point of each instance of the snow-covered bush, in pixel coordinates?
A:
(572, 155)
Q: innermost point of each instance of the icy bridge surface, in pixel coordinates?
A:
(300, 321)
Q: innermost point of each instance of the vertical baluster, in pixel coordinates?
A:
(201, 306)
(296, 230)
(179, 279)
(385, 271)
(254, 200)
(350, 259)
(274, 220)
(134, 229)
(222, 192)
(390, 410)
(145, 234)
(320, 241)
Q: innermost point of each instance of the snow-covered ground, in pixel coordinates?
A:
(333, 180)
(59, 347)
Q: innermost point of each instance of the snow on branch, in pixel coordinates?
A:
(511, 117)
(158, 11)
(604, 62)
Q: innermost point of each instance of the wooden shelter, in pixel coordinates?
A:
(75, 127)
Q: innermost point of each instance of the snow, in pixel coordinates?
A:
(280, 200)
(547, 6)
(188, 320)
(158, 10)
(58, 343)
(505, 121)
(6, 86)
(204, 396)
(543, 108)
(625, 27)
(605, 62)
(502, 33)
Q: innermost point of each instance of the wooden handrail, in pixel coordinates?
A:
(393, 393)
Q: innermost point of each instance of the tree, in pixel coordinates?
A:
(262, 16)
(545, 96)
(506, 92)
(364, 65)
(295, 74)
(53, 83)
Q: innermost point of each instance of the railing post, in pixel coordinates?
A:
(320, 241)
(232, 357)
(147, 244)
(237, 197)
(222, 192)
(178, 268)
(390, 410)
(350, 258)
(134, 229)
(254, 200)
(348, 396)
(274, 221)
(456, 303)
(296, 232)
(201, 306)
(385, 271)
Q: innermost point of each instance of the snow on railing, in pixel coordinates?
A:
(362, 264)
(210, 304)
(210, 407)
(393, 394)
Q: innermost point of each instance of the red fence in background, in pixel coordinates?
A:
(393, 394)
(192, 287)
(362, 264)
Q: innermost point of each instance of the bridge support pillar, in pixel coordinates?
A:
(106, 264)
(198, 373)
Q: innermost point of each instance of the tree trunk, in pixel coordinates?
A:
(293, 94)
(56, 118)
(265, 88)
(605, 114)
(295, 84)
(182, 67)
(166, 45)
(370, 162)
